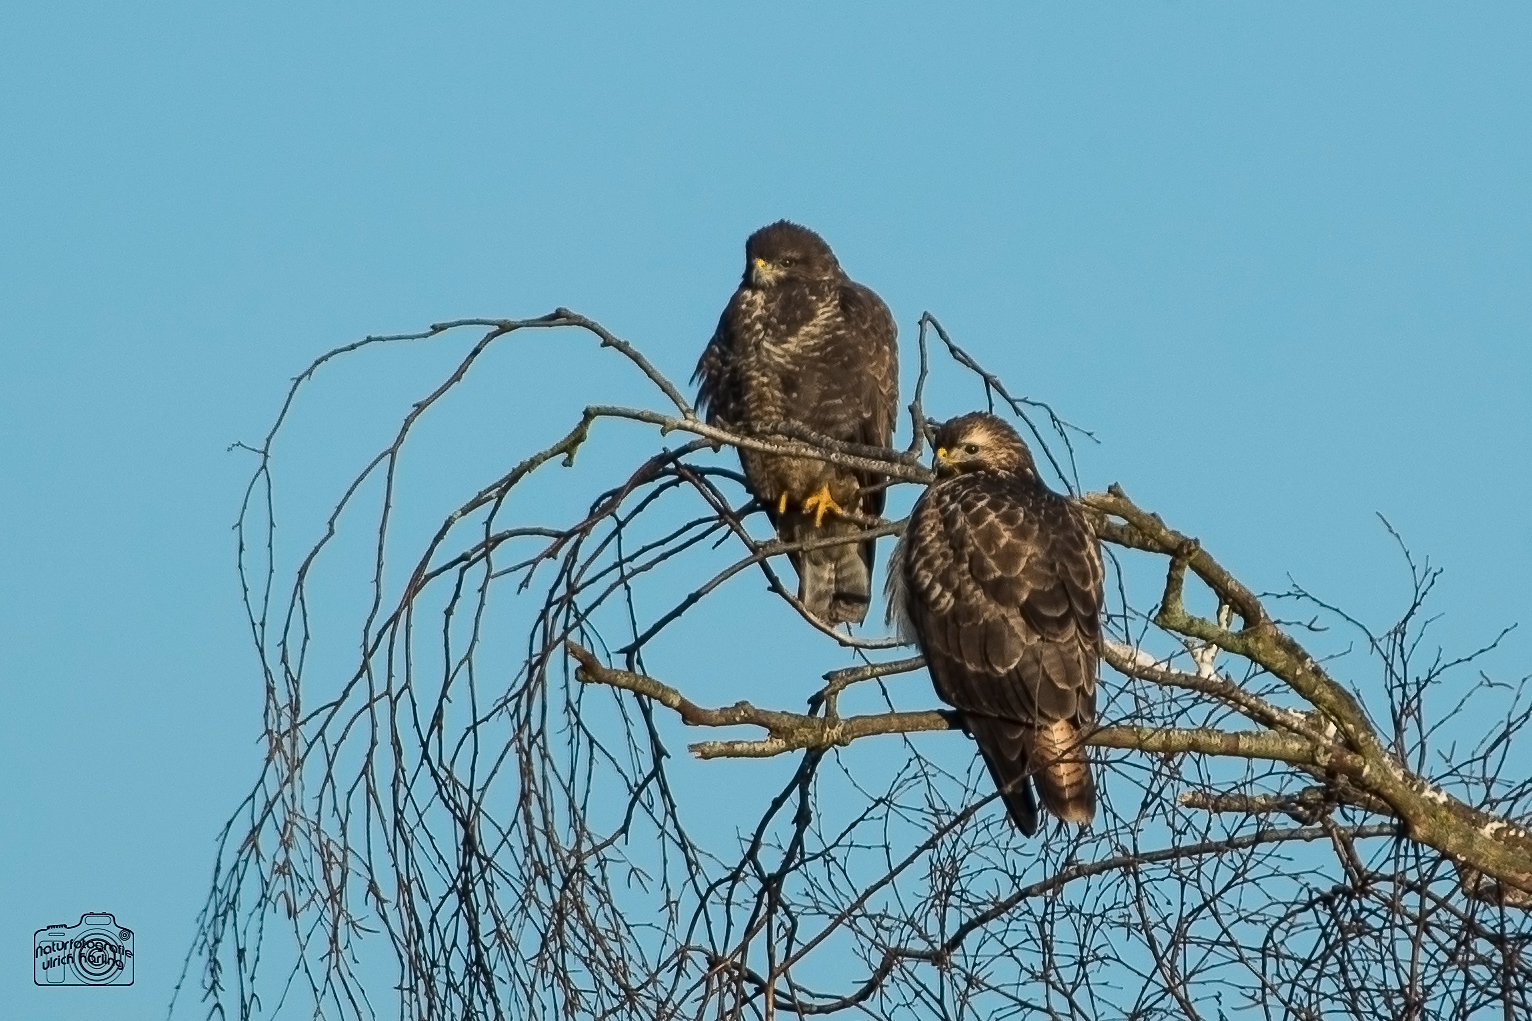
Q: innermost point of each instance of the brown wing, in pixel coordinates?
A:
(718, 384)
(1003, 588)
(876, 382)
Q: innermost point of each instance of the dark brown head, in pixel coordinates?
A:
(981, 442)
(784, 252)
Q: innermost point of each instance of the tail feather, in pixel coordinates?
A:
(1063, 774)
(1050, 758)
(834, 582)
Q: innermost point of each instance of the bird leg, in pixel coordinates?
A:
(782, 504)
(821, 503)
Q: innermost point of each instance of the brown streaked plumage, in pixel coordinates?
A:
(801, 342)
(999, 581)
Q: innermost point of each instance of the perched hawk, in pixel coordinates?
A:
(801, 342)
(999, 581)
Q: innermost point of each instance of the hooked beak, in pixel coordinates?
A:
(942, 464)
(760, 273)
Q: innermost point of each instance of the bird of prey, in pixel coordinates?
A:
(800, 342)
(999, 581)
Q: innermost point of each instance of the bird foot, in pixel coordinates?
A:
(821, 503)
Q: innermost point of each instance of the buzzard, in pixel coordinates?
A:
(801, 342)
(999, 581)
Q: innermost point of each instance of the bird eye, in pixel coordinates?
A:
(788, 260)
(970, 448)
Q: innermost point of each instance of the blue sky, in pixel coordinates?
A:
(1277, 257)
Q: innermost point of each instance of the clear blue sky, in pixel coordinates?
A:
(1278, 257)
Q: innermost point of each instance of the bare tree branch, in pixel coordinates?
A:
(469, 807)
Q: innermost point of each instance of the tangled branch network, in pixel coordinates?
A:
(470, 806)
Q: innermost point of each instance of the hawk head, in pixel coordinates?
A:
(784, 252)
(980, 442)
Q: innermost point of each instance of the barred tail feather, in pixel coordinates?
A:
(1063, 774)
(1050, 758)
(834, 582)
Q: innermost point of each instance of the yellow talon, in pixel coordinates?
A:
(821, 503)
(782, 504)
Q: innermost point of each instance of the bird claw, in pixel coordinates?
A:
(821, 503)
